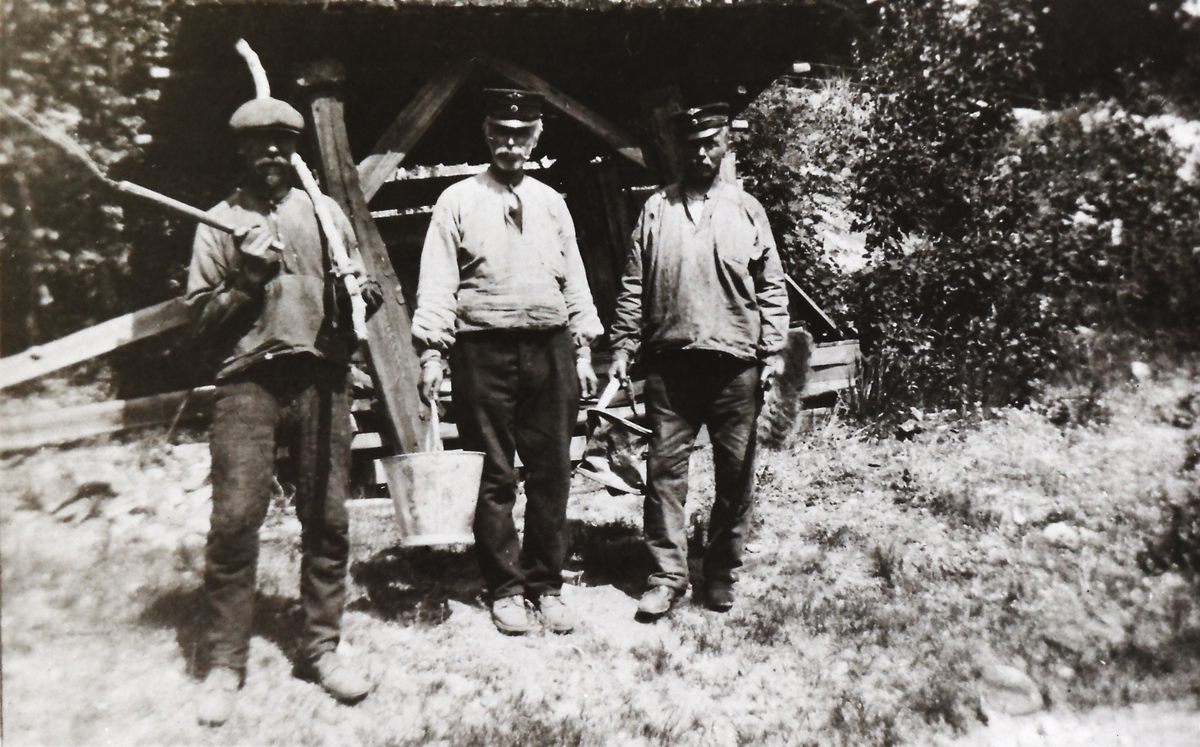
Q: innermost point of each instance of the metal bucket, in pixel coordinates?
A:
(434, 492)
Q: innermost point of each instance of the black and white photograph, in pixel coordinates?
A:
(600, 373)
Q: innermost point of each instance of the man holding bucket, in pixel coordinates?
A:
(703, 298)
(504, 293)
(266, 303)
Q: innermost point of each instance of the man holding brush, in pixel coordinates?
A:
(703, 301)
(267, 301)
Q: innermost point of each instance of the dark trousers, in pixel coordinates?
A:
(304, 403)
(516, 391)
(685, 390)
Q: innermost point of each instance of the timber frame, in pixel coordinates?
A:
(349, 60)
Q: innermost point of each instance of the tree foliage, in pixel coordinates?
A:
(990, 239)
(85, 68)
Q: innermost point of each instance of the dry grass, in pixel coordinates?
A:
(883, 576)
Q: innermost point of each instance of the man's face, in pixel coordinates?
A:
(704, 154)
(268, 154)
(511, 146)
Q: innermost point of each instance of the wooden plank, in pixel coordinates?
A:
(831, 373)
(620, 141)
(398, 140)
(91, 342)
(74, 423)
(824, 387)
(389, 332)
(833, 353)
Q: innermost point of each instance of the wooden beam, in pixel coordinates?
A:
(621, 141)
(91, 342)
(389, 331)
(833, 353)
(409, 126)
(812, 305)
(657, 107)
(73, 423)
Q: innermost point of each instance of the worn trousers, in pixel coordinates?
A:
(685, 390)
(301, 402)
(517, 392)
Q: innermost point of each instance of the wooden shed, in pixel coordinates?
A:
(392, 91)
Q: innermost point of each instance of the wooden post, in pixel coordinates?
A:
(657, 108)
(389, 332)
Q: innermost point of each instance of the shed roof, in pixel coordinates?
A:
(605, 54)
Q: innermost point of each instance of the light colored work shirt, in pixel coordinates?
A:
(296, 311)
(703, 275)
(500, 257)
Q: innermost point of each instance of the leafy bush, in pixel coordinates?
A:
(995, 243)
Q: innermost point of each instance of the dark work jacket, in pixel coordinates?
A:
(297, 311)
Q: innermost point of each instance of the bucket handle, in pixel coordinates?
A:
(433, 436)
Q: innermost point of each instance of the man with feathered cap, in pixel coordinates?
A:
(503, 292)
(703, 304)
(266, 301)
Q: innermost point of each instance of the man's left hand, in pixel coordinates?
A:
(372, 294)
(588, 383)
(769, 370)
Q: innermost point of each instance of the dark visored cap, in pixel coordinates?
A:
(266, 113)
(702, 121)
(511, 107)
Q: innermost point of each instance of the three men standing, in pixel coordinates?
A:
(503, 291)
(704, 302)
(267, 302)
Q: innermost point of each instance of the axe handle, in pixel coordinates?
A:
(171, 204)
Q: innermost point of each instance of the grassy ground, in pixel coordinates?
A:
(884, 576)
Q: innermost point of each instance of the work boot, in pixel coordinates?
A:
(218, 696)
(510, 616)
(656, 602)
(720, 596)
(556, 614)
(337, 677)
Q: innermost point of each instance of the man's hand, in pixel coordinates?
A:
(431, 380)
(588, 383)
(619, 368)
(260, 253)
(769, 370)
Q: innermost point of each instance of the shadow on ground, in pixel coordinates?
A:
(609, 555)
(415, 584)
(278, 619)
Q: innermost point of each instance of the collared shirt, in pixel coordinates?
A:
(703, 276)
(501, 257)
(296, 311)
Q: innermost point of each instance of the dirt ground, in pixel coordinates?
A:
(883, 575)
